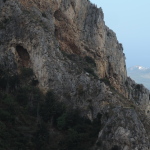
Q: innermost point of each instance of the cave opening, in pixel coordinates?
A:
(23, 56)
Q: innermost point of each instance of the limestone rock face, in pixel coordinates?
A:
(122, 131)
(80, 29)
(73, 53)
(139, 95)
(73, 26)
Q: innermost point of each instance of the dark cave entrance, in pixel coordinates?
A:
(24, 56)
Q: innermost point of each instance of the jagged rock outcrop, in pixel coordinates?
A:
(78, 27)
(74, 53)
(122, 131)
(139, 95)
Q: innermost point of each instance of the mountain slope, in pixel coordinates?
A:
(79, 60)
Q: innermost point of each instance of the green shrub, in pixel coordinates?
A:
(22, 96)
(80, 132)
(34, 82)
(5, 115)
(9, 82)
(138, 87)
(90, 71)
(26, 72)
(72, 139)
(62, 122)
(47, 109)
(80, 90)
(14, 82)
(99, 143)
(2, 26)
(132, 106)
(115, 147)
(41, 137)
(51, 109)
(90, 60)
(3, 83)
(2, 126)
(43, 15)
(106, 81)
(68, 119)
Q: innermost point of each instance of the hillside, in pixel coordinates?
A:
(63, 80)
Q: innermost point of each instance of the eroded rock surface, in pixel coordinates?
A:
(74, 53)
(122, 131)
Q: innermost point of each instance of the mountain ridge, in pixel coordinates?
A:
(140, 74)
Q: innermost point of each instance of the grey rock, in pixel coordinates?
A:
(74, 53)
(123, 130)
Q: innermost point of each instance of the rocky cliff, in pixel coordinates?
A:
(73, 53)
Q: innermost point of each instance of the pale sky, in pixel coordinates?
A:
(130, 20)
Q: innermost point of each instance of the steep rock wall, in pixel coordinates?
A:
(80, 29)
(74, 53)
(48, 28)
(74, 27)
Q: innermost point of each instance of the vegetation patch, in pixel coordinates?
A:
(87, 63)
(115, 147)
(106, 81)
(80, 132)
(44, 15)
(90, 71)
(138, 87)
(4, 22)
(90, 60)
(80, 90)
(26, 72)
(27, 117)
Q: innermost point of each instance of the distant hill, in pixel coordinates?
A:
(140, 74)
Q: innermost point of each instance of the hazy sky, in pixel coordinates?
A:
(130, 20)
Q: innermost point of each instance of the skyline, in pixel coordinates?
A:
(130, 21)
